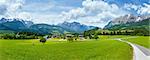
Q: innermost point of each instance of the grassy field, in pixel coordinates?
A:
(140, 40)
(103, 49)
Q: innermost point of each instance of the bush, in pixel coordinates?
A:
(140, 34)
(42, 40)
(70, 39)
(95, 36)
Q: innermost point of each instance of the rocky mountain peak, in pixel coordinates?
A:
(129, 18)
(124, 19)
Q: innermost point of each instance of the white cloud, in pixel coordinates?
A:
(145, 9)
(96, 5)
(74, 13)
(11, 7)
(131, 6)
(92, 21)
(24, 15)
(94, 12)
(15, 5)
(2, 1)
(3, 9)
(47, 18)
(38, 7)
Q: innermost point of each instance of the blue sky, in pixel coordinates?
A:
(89, 12)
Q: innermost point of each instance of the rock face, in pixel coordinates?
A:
(126, 19)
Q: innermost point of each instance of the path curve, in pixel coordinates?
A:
(139, 52)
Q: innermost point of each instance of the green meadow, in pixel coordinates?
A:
(140, 40)
(105, 48)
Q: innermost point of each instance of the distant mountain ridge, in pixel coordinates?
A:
(128, 21)
(75, 26)
(14, 24)
(20, 25)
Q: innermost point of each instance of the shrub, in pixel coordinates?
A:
(140, 34)
(42, 40)
(95, 36)
(70, 39)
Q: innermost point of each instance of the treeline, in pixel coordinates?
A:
(133, 32)
(19, 35)
(91, 34)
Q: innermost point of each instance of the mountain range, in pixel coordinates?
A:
(75, 26)
(124, 22)
(129, 22)
(19, 25)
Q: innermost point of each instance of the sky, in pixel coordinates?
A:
(89, 12)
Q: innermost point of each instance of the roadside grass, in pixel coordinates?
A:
(140, 40)
(102, 49)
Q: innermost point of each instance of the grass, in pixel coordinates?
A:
(140, 40)
(102, 49)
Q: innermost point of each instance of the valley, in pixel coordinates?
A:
(74, 29)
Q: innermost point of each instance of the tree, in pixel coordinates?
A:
(119, 32)
(141, 32)
(76, 35)
(90, 36)
(8, 36)
(114, 33)
(86, 34)
(95, 36)
(70, 38)
(43, 40)
(111, 33)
